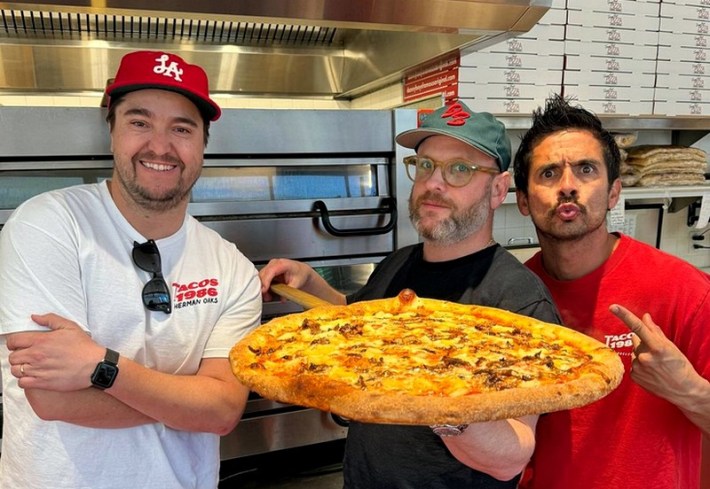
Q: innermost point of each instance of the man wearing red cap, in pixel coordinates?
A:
(119, 308)
(460, 177)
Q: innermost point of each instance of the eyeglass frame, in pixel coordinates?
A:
(156, 277)
(412, 161)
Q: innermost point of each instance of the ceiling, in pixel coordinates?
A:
(338, 49)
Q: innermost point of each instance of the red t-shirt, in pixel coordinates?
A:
(630, 438)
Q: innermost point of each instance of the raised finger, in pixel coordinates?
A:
(633, 322)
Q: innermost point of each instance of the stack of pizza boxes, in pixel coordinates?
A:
(516, 75)
(683, 82)
(610, 55)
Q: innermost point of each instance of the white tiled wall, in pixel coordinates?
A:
(675, 239)
(512, 228)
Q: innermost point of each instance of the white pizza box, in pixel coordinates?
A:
(678, 88)
(502, 106)
(688, 95)
(527, 45)
(683, 55)
(554, 16)
(618, 6)
(683, 40)
(616, 107)
(578, 62)
(682, 81)
(684, 26)
(685, 68)
(616, 94)
(609, 78)
(690, 27)
(520, 91)
(685, 11)
(512, 60)
(619, 20)
(527, 76)
(545, 32)
(688, 3)
(616, 50)
(611, 34)
(682, 109)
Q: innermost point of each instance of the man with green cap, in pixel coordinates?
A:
(460, 177)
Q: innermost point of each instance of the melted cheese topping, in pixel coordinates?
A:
(421, 352)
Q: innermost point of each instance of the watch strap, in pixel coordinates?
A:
(449, 429)
(111, 356)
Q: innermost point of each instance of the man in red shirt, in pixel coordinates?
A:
(652, 308)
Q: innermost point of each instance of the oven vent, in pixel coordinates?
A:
(340, 49)
(29, 24)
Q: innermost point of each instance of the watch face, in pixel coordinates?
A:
(104, 375)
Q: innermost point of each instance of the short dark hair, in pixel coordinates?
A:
(116, 101)
(559, 115)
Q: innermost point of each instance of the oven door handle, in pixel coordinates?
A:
(388, 207)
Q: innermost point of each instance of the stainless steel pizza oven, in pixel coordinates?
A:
(316, 186)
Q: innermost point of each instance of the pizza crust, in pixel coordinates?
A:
(601, 373)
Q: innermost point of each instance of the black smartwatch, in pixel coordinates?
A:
(106, 370)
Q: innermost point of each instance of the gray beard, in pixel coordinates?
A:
(459, 226)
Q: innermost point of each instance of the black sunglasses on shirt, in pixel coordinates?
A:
(156, 293)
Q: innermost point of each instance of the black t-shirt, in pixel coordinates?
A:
(441, 280)
(394, 456)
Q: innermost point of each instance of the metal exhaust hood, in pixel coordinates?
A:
(339, 49)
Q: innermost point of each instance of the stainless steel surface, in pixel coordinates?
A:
(80, 132)
(308, 467)
(330, 48)
(406, 234)
(279, 431)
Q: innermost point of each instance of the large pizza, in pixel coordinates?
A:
(411, 360)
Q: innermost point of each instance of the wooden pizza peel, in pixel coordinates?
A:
(304, 299)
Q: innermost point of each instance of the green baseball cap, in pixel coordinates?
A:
(478, 129)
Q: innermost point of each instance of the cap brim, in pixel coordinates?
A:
(206, 107)
(414, 137)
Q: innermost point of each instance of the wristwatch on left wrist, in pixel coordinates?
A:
(449, 429)
(106, 370)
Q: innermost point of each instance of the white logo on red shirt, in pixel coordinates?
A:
(620, 342)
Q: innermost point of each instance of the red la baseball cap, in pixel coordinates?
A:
(154, 69)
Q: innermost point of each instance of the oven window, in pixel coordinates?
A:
(18, 186)
(228, 184)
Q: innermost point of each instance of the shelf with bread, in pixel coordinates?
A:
(672, 174)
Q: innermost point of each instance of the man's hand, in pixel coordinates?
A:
(658, 365)
(298, 275)
(61, 359)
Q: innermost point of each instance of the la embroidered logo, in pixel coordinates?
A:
(171, 70)
(457, 114)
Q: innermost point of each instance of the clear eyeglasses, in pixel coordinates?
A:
(456, 172)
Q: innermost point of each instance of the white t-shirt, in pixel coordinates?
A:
(69, 252)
